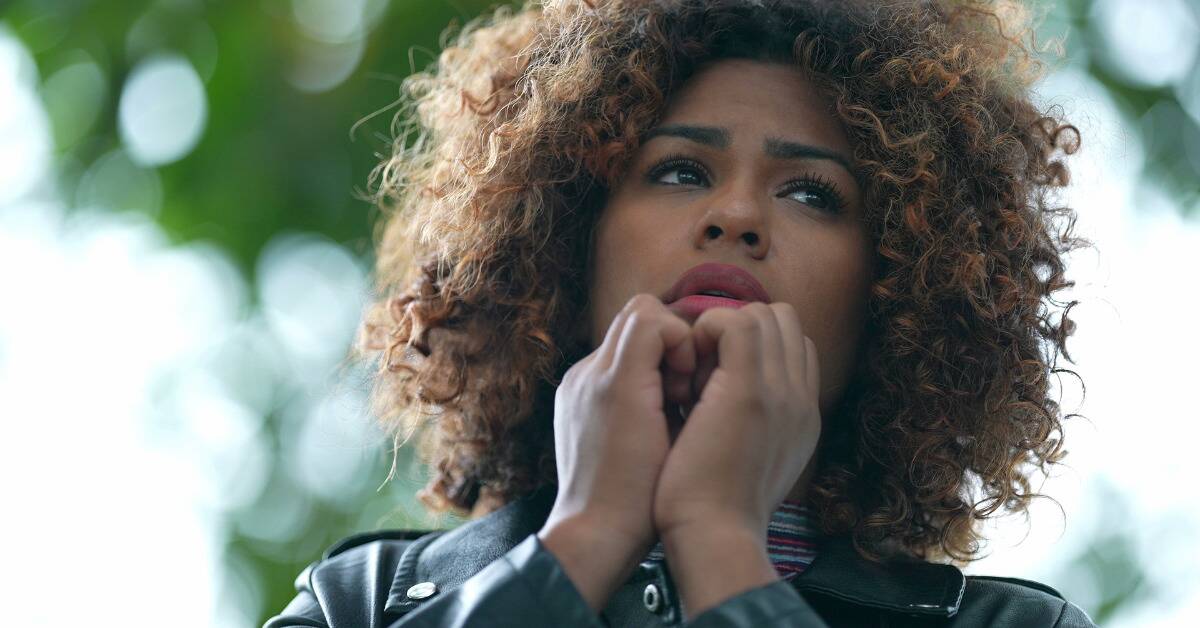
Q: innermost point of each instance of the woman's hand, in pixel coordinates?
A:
(742, 448)
(611, 439)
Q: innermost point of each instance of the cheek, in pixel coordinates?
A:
(837, 350)
(608, 267)
(832, 305)
(635, 249)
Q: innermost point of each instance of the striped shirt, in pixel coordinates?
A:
(791, 540)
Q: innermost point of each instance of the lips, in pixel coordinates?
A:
(713, 285)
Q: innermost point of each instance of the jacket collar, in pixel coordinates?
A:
(912, 587)
(450, 558)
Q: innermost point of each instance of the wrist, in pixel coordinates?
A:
(741, 552)
(594, 559)
(712, 525)
(715, 539)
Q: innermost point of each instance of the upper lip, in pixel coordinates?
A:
(723, 277)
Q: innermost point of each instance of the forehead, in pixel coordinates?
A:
(755, 99)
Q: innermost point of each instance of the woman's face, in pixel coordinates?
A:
(748, 168)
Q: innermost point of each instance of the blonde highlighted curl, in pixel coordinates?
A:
(509, 144)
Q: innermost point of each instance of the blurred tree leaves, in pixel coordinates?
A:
(273, 158)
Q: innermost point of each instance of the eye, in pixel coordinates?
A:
(816, 191)
(811, 189)
(678, 171)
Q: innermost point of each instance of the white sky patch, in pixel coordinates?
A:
(97, 307)
(90, 323)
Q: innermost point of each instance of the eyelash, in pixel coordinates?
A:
(814, 182)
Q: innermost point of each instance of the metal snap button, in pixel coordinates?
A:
(421, 590)
(652, 598)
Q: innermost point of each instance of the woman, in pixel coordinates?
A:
(727, 313)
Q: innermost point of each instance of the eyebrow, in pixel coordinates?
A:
(718, 137)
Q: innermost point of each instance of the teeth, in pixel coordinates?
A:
(715, 293)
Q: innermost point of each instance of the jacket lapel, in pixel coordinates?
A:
(449, 558)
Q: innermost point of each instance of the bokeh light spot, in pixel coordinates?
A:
(329, 20)
(312, 291)
(1152, 44)
(162, 111)
(320, 66)
(74, 96)
(24, 130)
(114, 182)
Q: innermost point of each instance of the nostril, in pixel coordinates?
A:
(713, 231)
(751, 238)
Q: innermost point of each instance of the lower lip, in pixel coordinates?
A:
(691, 306)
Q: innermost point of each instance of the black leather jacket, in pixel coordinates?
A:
(494, 572)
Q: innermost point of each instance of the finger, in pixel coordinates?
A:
(735, 337)
(772, 359)
(795, 349)
(679, 363)
(680, 351)
(650, 330)
(677, 386)
(608, 348)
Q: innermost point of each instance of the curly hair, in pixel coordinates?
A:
(506, 150)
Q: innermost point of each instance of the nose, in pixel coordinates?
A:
(735, 218)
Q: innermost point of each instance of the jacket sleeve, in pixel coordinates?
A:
(777, 605)
(525, 587)
(1073, 617)
(304, 611)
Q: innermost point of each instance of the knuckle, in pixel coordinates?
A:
(645, 316)
(642, 301)
(637, 319)
(785, 310)
(604, 387)
(611, 334)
